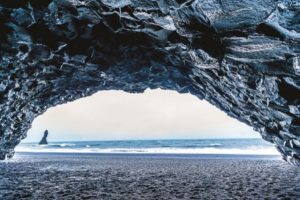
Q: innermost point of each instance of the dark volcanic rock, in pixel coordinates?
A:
(242, 56)
(44, 139)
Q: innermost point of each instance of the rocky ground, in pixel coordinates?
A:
(86, 176)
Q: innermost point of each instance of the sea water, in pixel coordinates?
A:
(199, 146)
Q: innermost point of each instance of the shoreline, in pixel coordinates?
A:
(150, 155)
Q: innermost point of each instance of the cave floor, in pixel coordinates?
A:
(93, 176)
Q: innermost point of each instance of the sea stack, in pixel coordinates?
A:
(44, 139)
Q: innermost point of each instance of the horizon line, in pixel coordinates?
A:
(111, 140)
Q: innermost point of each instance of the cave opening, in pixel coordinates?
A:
(53, 52)
(156, 121)
(241, 57)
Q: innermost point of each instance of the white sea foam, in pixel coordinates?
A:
(215, 144)
(209, 150)
(67, 145)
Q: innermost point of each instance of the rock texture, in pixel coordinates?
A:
(242, 56)
(44, 139)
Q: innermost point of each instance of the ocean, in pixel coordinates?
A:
(199, 146)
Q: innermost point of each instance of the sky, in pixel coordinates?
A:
(154, 114)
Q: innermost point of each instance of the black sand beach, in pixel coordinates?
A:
(128, 176)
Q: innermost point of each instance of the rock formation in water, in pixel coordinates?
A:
(44, 139)
(242, 56)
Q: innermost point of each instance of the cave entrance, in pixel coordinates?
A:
(156, 121)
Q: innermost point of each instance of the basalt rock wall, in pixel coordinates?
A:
(242, 56)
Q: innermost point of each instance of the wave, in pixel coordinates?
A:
(215, 144)
(62, 145)
(67, 145)
(208, 150)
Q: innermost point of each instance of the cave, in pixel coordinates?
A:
(241, 56)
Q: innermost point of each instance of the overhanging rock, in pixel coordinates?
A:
(242, 56)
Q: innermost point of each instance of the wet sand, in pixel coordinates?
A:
(132, 176)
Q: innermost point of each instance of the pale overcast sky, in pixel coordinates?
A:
(155, 114)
